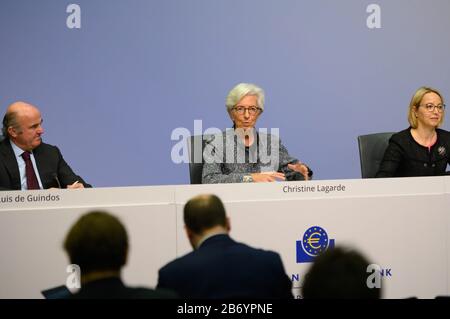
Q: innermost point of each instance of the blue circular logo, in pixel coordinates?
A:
(315, 241)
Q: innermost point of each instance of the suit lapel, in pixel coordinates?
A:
(41, 165)
(10, 162)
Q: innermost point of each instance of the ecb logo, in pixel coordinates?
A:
(315, 241)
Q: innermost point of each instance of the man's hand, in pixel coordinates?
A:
(75, 185)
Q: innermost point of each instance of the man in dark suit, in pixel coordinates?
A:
(98, 244)
(220, 267)
(339, 273)
(25, 161)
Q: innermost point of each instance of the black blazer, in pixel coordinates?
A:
(223, 268)
(404, 157)
(113, 288)
(50, 164)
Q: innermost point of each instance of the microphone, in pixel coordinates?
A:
(55, 177)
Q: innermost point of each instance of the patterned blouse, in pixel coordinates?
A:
(228, 160)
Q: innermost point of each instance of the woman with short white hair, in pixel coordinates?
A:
(244, 154)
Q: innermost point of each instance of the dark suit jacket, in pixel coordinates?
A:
(404, 157)
(223, 268)
(49, 161)
(113, 288)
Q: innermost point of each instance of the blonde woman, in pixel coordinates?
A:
(422, 149)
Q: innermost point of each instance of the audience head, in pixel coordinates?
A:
(97, 242)
(339, 273)
(203, 215)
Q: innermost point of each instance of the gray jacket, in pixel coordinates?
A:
(227, 160)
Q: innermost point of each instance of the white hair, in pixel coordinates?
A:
(244, 89)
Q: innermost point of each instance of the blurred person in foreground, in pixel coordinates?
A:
(98, 244)
(339, 273)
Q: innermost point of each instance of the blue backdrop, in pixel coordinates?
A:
(112, 91)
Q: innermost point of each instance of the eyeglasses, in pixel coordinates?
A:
(251, 110)
(431, 107)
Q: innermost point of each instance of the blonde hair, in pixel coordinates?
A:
(415, 102)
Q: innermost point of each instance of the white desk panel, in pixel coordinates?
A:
(401, 224)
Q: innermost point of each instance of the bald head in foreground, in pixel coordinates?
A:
(220, 267)
(26, 162)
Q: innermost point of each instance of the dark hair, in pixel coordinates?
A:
(97, 242)
(339, 273)
(203, 212)
(10, 119)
